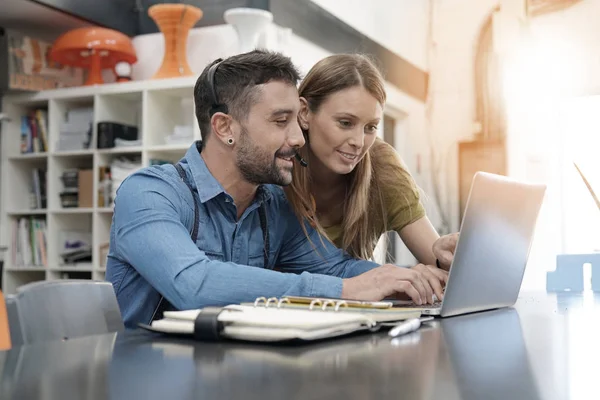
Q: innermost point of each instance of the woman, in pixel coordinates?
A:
(355, 187)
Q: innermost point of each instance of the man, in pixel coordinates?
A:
(212, 230)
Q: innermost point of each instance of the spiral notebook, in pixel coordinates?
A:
(273, 320)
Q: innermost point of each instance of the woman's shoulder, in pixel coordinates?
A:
(389, 169)
(399, 191)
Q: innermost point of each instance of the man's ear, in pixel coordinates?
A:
(221, 126)
(303, 114)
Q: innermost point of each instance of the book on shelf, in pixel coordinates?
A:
(38, 189)
(29, 245)
(34, 132)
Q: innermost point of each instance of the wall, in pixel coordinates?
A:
(553, 122)
(400, 25)
(455, 29)
(550, 83)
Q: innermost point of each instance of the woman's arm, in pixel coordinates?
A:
(419, 237)
(405, 213)
(427, 246)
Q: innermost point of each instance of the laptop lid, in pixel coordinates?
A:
(494, 244)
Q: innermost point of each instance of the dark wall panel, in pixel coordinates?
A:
(115, 14)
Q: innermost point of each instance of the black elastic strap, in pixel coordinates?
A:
(207, 325)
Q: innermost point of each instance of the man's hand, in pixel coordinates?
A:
(389, 280)
(443, 249)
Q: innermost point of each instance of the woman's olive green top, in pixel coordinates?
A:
(402, 203)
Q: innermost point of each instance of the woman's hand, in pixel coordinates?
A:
(443, 249)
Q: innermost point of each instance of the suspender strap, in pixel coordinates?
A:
(185, 180)
(163, 304)
(262, 214)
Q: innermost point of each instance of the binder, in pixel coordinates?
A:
(324, 303)
(280, 319)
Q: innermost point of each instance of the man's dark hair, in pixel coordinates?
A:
(235, 82)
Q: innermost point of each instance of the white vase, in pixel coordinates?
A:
(248, 23)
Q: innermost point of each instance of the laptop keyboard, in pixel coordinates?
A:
(436, 304)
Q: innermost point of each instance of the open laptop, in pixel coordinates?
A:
(493, 247)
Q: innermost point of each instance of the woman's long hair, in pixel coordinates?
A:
(365, 216)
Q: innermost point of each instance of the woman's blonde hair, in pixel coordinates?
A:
(365, 216)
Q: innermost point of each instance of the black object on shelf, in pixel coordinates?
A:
(69, 199)
(109, 131)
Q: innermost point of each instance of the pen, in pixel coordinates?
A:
(404, 327)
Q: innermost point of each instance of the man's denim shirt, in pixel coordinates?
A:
(152, 253)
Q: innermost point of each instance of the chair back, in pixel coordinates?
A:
(64, 309)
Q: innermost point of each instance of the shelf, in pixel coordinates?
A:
(30, 157)
(18, 213)
(73, 153)
(162, 148)
(122, 89)
(86, 268)
(25, 269)
(121, 150)
(74, 210)
(157, 107)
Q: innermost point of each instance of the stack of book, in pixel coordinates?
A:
(29, 242)
(34, 132)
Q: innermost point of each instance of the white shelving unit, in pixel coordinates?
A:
(154, 106)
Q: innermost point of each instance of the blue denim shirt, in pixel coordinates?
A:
(152, 253)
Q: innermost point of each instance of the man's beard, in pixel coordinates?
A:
(258, 166)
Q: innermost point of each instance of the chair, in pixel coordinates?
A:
(59, 310)
(5, 343)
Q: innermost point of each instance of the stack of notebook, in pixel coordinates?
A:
(288, 318)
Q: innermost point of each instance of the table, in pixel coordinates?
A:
(545, 347)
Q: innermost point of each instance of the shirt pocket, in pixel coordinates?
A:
(258, 260)
(211, 245)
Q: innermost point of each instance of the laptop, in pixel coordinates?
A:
(493, 247)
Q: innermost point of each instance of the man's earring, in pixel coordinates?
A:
(230, 141)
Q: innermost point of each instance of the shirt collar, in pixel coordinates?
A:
(207, 185)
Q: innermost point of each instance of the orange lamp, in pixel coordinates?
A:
(93, 48)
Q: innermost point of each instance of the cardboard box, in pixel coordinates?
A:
(25, 65)
(86, 188)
